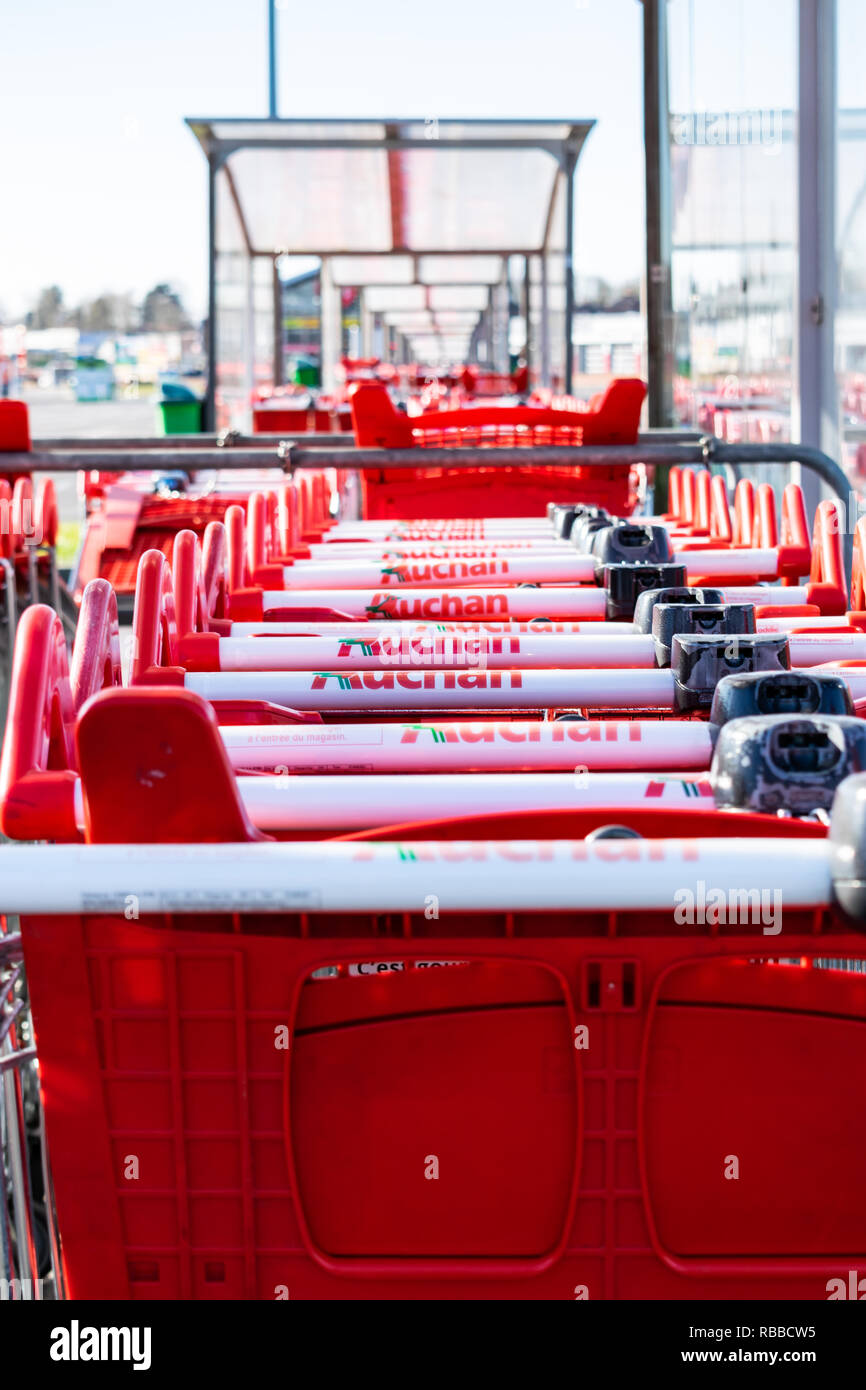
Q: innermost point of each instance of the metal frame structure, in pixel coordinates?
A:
(815, 402)
(659, 311)
(660, 448)
(815, 410)
(221, 139)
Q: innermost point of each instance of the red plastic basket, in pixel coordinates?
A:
(426, 492)
(578, 1096)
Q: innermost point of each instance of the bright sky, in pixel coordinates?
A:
(103, 187)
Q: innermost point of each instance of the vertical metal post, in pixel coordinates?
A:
(568, 385)
(332, 326)
(815, 397)
(272, 59)
(544, 325)
(659, 310)
(209, 411)
(367, 349)
(249, 343)
(500, 298)
(278, 327)
(527, 302)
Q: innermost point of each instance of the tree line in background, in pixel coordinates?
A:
(161, 311)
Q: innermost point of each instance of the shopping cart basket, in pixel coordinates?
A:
(513, 1048)
(442, 492)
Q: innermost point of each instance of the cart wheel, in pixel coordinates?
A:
(612, 832)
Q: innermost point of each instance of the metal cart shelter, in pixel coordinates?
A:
(409, 204)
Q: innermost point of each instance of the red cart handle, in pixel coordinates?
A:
(689, 488)
(190, 607)
(288, 528)
(675, 495)
(703, 503)
(37, 780)
(154, 625)
(744, 512)
(46, 519)
(214, 560)
(96, 653)
(24, 530)
(236, 554)
(766, 530)
(721, 528)
(827, 585)
(6, 546)
(260, 542)
(858, 575)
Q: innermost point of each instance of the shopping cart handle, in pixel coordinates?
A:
(96, 653)
(699, 663)
(36, 803)
(772, 763)
(668, 619)
(154, 770)
(847, 843)
(780, 692)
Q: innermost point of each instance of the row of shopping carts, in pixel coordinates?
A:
(453, 906)
(28, 570)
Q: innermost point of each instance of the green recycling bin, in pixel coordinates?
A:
(179, 417)
(179, 411)
(307, 372)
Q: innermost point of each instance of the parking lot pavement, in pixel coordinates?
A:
(57, 415)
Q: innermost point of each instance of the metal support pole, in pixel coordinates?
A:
(332, 327)
(209, 411)
(815, 400)
(544, 325)
(367, 349)
(659, 310)
(500, 295)
(278, 327)
(272, 59)
(527, 302)
(568, 384)
(249, 342)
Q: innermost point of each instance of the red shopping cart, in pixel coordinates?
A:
(245, 1021)
(569, 1042)
(441, 492)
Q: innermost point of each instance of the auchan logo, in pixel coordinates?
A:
(531, 851)
(444, 605)
(557, 731)
(440, 571)
(471, 531)
(350, 644)
(419, 680)
(431, 551)
(428, 647)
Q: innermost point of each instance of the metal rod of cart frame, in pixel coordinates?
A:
(329, 876)
(290, 456)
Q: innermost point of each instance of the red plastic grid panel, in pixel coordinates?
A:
(441, 493)
(174, 1064)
